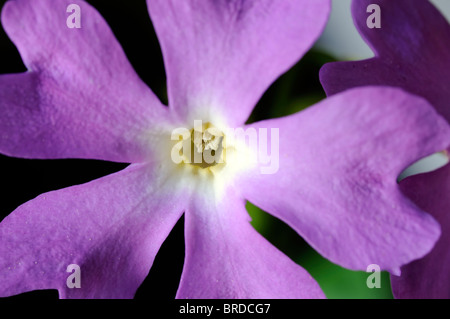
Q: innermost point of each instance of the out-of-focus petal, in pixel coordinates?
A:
(111, 228)
(80, 98)
(221, 55)
(227, 258)
(338, 166)
(428, 277)
(412, 51)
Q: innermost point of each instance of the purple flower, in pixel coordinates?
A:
(428, 277)
(338, 161)
(412, 51)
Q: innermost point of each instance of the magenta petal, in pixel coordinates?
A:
(428, 277)
(221, 55)
(111, 227)
(81, 98)
(227, 258)
(336, 183)
(412, 51)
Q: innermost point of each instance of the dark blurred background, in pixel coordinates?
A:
(22, 180)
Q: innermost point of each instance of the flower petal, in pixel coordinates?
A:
(412, 51)
(111, 228)
(227, 258)
(80, 98)
(220, 56)
(428, 277)
(336, 183)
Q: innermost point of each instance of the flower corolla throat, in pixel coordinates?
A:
(201, 149)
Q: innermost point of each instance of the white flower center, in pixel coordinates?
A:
(205, 158)
(207, 147)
